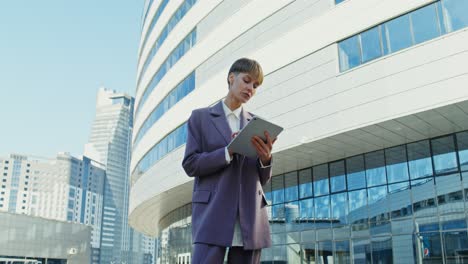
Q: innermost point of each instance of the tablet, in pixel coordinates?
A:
(242, 144)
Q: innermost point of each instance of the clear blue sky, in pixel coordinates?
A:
(54, 55)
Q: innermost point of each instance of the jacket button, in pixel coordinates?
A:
(259, 192)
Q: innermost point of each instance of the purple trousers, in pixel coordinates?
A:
(211, 254)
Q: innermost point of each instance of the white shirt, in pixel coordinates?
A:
(233, 118)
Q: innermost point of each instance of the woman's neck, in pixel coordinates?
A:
(232, 103)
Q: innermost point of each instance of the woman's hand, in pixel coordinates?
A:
(263, 148)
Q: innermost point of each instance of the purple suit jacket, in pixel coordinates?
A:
(221, 189)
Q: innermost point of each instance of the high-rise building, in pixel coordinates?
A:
(109, 144)
(372, 166)
(65, 189)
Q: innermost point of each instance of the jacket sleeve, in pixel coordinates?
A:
(264, 173)
(197, 163)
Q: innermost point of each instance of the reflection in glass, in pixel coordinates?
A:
(305, 183)
(419, 159)
(320, 176)
(398, 33)
(356, 175)
(291, 211)
(308, 253)
(455, 245)
(349, 53)
(342, 252)
(339, 205)
(397, 166)
(455, 14)
(337, 177)
(267, 192)
(462, 143)
(322, 207)
(306, 209)
(377, 193)
(382, 250)
(445, 158)
(277, 189)
(358, 204)
(325, 252)
(375, 168)
(428, 247)
(290, 184)
(277, 212)
(362, 251)
(370, 41)
(425, 24)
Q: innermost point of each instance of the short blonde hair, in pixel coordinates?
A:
(249, 66)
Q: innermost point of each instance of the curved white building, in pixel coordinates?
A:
(373, 97)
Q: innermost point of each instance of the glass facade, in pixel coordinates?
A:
(404, 204)
(174, 96)
(418, 26)
(184, 46)
(175, 19)
(170, 142)
(155, 19)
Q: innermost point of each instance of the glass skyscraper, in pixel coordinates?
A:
(109, 143)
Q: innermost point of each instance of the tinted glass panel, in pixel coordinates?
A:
(425, 24)
(322, 207)
(356, 177)
(349, 53)
(455, 14)
(370, 41)
(398, 33)
(290, 191)
(337, 176)
(277, 189)
(320, 176)
(305, 183)
(397, 167)
(375, 168)
(339, 205)
(419, 159)
(445, 158)
(462, 143)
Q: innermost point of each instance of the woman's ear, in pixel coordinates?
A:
(231, 79)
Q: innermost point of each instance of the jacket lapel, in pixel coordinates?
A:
(220, 122)
(245, 118)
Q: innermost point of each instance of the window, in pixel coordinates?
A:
(375, 168)
(305, 183)
(455, 14)
(398, 33)
(277, 187)
(419, 159)
(349, 53)
(445, 159)
(290, 184)
(370, 44)
(397, 165)
(462, 142)
(425, 24)
(337, 176)
(320, 177)
(356, 175)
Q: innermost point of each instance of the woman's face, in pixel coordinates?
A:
(242, 86)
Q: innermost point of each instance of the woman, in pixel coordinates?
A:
(228, 204)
